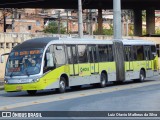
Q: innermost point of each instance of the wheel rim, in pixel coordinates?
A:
(141, 77)
(103, 80)
(62, 84)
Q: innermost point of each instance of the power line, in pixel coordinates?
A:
(15, 3)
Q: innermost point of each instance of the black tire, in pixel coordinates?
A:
(141, 76)
(103, 80)
(31, 92)
(62, 85)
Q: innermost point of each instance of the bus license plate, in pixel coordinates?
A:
(19, 87)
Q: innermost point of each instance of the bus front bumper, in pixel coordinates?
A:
(23, 87)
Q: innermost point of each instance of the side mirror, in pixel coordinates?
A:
(2, 59)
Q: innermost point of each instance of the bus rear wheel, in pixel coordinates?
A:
(103, 80)
(141, 76)
(31, 92)
(62, 85)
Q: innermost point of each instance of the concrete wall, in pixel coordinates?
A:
(9, 40)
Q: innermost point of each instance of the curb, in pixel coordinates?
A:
(1, 87)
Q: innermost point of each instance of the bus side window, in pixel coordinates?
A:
(92, 53)
(102, 49)
(72, 54)
(59, 53)
(110, 53)
(128, 53)
(49, 62)
(82, 54)
(70, 60)
(153, 52)
(147, 51)
(140, 52)
(158, 49)
(134, 53)
(91, 57)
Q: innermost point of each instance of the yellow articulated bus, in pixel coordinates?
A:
(58, 63)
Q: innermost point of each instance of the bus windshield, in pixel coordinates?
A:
(22, 63)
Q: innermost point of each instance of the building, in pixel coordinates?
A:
(22, 21)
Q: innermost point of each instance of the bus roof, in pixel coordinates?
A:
(137, 42)
(82, 41)
(44, 41)
(35, 43)
(96, 41)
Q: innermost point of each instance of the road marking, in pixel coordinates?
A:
(79, 94)
(82, 94)
(35, 102)
(5, 108)
(61, 98)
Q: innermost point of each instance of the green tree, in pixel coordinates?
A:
(105, 31)
(157, 31)
(144, 15)
(131, 29)
(53, 28)
(144, 31)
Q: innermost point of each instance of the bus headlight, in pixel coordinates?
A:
(5, 81)
(35, 80)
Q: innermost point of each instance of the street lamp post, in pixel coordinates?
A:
(80, 20)
(59, 22)
(117, 19)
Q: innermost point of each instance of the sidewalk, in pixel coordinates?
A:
(1, 84)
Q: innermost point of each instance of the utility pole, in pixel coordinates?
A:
(127, 22)
(117, 19)
(90, 18)
(67, 23)
(59, 23)
(4, 20)
(13, 16)
(80, 19)
(87, 22)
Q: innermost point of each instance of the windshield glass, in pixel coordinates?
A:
(22, 63)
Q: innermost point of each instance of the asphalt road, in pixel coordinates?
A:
(129, 96)
(145, 98)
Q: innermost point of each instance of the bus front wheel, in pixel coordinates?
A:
(62, 85)
(31, 92)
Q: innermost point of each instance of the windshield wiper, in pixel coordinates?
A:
(11, 74)
(22, 63)
(27, 72)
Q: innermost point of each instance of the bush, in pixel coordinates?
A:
(53, 28)
(105, 31)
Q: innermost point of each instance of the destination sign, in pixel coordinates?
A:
(31, 52)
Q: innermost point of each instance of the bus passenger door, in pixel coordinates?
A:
(129, 63)
(73, 60)
(128, 58)
(147, 50)
(94, 66)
